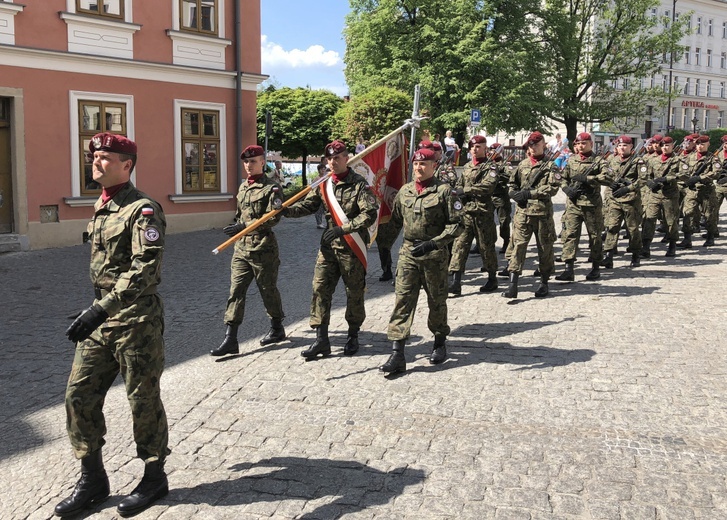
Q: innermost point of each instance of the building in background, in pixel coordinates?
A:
(169, 74)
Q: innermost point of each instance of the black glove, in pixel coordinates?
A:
(521, 196)
(581, 177)
(458, 191)
(571, 192)
(86, 323)
(233, 229)
(623, 190)
(422, 248)
(330, 235)
(615, 185)
(693, 180)
(660, 180)
(722, 180)
(284, 211)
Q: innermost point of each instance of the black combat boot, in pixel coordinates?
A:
(607, 262)
(686, 243)
(661, 228)
(351, 346)
(439, 351)
(455, 286)
(321, 346)
(230, 344)
(92, 488)
(672, 249)
(567, 275)
(636, 260)
(504, 273)
(536, 273)
(542, 290)
(276, 334)
(152, 487)
(512, 288)
(396, 362)
(595, 272)
(491, 284)
(646, 249)
(385, 259)
(710, 240)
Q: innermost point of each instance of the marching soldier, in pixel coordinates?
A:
(583, 176)
(121, 333)
(350, 208)
(661, 181)
(430, 214)
(475, 186)
(721, 187)
(698, 178)
(500, 198)
(533, 183)
(256, 255)
(625, 200)
(444, 171)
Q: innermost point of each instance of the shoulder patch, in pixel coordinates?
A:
(277, 203)
(276, 189)
(557, 176)
(457, 205)
(371, 199)
(685, 166)
(147, 211)
(151, 234)
(493, 173)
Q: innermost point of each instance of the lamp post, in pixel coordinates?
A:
(694, 124)
(669, 125)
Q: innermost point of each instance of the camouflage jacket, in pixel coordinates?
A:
(630, 176)
(434, 214)
(127, 243)
(589, 193)
(446, 173)
(670, 169)
(504, 171)
(721, 169)
(539, 204)
(709, 165)
(356, 199)
(478, 183)
(253, 201)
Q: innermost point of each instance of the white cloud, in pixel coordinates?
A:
(273, 55)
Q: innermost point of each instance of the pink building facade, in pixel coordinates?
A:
(179, 77)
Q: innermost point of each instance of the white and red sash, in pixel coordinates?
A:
(354, 240)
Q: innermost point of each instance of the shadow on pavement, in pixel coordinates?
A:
(356, 486)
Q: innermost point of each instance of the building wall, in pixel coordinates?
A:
(41, 75)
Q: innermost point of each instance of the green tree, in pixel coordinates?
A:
(596, 54)
(301, 120)
(371, 116)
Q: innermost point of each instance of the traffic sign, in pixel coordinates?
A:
(475, 117)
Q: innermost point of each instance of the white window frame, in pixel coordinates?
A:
(75, 96)
(710, 30)
(97, 35)
(198, 49)
(179, 195)
(8, 10)
(709, 57)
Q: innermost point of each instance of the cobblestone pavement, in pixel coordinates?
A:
(604, 401)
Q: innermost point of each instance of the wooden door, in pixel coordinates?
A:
(6, 178)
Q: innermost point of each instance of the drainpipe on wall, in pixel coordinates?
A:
(238, 96)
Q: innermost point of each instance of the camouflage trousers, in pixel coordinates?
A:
(657, 205)
(137, 353)
(262, 266)
(573, 217)
(523, 228)
(331, 265)
(481, 225)
(617, 213)
(503, 210)
(412, 274)
(694, 200)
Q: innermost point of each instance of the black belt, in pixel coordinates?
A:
(100, 293)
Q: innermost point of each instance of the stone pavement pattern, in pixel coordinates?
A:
(604, 401)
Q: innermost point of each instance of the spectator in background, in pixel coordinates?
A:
(360, 146)
(557, 143)
(451, 146)
(278, 174)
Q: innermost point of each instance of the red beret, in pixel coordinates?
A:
(252, 151)
(424, 154)
(436, 146)
(495, 145)
(426, 143)
(625, 139)
(112, 143)
(533, 138)
(583, 136)
(334, 148)
(477, 139)
(656, 138)
(691, 137)
(702, 139)
(667, 140)
(724, 138)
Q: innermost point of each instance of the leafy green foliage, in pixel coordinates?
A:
(371, 116)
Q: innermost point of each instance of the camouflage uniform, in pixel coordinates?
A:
(626, 208)
(721, 189)
(536, 217)
(337, 260)
(665, 199)
(478, 183)
(501, 201)
(127, 237)
(256, 254)
(434, 214)
(701, 193)
(446, 173)
(587, 207)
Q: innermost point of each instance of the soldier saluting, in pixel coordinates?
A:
(256, 255)
(430, 216)
(121, 333)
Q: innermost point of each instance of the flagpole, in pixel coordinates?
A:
(415, 117)
(409, 122)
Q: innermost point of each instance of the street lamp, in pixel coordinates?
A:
(694, 124)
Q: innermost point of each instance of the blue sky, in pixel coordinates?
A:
(302, 44)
